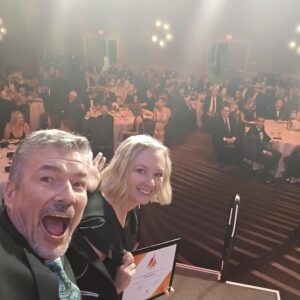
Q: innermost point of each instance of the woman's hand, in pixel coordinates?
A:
(95, 172)
(125, 272)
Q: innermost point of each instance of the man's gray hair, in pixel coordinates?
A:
(46, 138)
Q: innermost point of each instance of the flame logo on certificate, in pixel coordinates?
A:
(152, 262)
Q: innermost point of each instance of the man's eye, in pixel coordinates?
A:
(47, 179)
(80, 184)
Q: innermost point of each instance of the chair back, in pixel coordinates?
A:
(250, 149)
(147, 127)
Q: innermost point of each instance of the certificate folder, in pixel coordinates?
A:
(155, 267)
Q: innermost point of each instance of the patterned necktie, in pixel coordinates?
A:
(67, 290)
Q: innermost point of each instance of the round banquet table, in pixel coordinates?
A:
(283, 140)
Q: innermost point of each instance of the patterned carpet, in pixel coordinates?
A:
(267, 248)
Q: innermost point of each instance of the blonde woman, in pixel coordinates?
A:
(161, 116)
(139, 173)
(248, 112)
(16, 128)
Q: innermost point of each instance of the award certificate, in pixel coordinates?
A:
(154, 271)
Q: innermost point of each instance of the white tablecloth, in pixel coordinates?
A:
(122, 122)
(283, 141)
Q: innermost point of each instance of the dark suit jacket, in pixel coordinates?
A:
(261, 104)
(220, 130)
(23, 275)
(263, 144)
(206, 104)
(100, 131)
(273, 115)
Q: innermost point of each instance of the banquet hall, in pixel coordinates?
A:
(112, 69)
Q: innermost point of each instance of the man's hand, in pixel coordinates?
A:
(95, 172)
(125, 272)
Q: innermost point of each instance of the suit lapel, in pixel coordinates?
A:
(46, 281)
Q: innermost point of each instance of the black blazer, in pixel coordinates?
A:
(100, 225)
(263, 144)
(23, 275)
(273, 115)
(220, 130)
(206, 104)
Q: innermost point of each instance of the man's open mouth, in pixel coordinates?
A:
(56, 225)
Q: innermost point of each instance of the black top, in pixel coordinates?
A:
(102, 228)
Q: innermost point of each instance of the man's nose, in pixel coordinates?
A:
(67, 193)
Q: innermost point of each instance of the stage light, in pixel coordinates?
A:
(3, 30)
(298, 29)
(298, 50)
(154, 38)
(161, 43)
(169, 37)
(162, 34)
(292, 44)
(100, 32)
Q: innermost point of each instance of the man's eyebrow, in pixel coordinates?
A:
(57, 169)
(49, 167)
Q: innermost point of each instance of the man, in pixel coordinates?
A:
(100, 131)
(44, 200)
(73, 110)
(261, 103)
(292, 166)
(277, 111)
(267, 155)
(225, 136)
(211, 107)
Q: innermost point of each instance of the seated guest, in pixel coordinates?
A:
(108, 97)
(248, 112)
(211, 107)
(225, 136)
(149, 100)
(203, 85)
(139, 173)
(161, 116)
(72, 109)
(44, 200)
(98, 126)
(17, 128)
(277, 111)
(268, 156)
(292, 166)
(130, 95)
(238, 98)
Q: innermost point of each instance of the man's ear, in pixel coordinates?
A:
(9, 193)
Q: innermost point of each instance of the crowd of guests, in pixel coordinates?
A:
(229, 119)
(82, 101)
